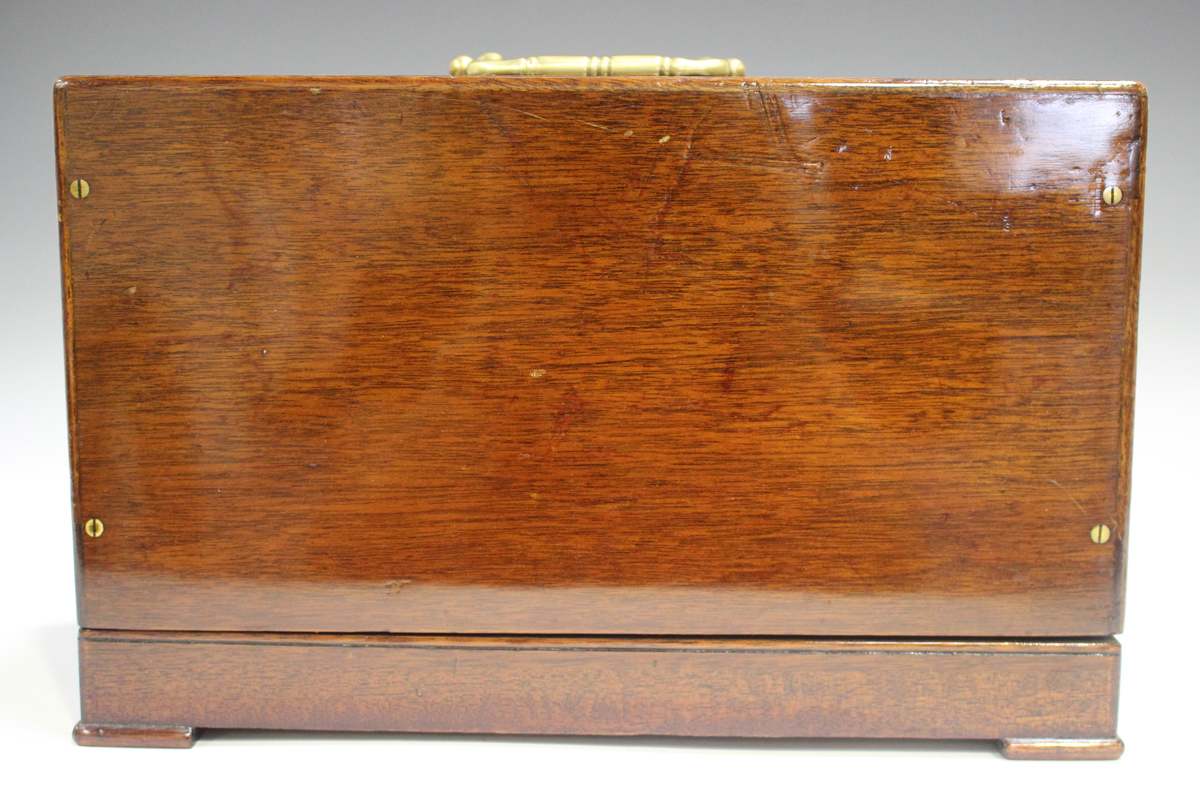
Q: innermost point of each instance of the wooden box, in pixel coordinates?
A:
(691, 406)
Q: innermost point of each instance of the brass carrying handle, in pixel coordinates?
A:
(493, 64)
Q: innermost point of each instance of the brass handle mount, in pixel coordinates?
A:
(493, 64)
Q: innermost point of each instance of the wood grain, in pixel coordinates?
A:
(606, 686)
(637, 356)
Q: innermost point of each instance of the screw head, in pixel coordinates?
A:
(80, 188)
(1100, 533)
(1112, 195)
(94, 527)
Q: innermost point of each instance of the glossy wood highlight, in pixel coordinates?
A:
(637, 356)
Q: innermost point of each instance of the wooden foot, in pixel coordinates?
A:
(123, 735)
(1061, 749)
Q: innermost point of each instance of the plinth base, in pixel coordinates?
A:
(1039, 699)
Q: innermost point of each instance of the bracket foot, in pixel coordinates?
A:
(134, 735)
(1061, 748)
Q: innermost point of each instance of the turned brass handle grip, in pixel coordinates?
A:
(493, 64)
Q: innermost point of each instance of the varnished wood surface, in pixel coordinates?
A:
(639, 355)
(87, 734)
(605, 686)
(1051, 749)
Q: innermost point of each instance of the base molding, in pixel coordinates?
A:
(1039, 698)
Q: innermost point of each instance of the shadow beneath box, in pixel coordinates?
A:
(850, 746)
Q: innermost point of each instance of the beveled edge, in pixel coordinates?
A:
(1061, 748)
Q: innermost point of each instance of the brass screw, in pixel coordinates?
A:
(94, 527)
(1100, 533)
(1112, 195)
(80, 188)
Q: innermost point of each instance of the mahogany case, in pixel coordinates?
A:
(821, 392)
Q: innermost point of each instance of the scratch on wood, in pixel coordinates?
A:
(485, 105)
(622, 132)
(926, 192)
(519, 111)
(777, 165)
(1073, 499)
(661, 214)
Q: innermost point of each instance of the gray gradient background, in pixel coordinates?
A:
(1153, 42)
